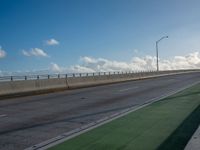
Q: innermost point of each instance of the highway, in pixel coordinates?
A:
(25, 121)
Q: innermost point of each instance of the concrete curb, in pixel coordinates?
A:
(194, 142)
(71, 134)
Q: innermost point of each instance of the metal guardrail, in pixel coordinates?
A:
(54, 76)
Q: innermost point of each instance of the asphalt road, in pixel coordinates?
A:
(30, 120)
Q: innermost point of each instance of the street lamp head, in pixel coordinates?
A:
(162, 39)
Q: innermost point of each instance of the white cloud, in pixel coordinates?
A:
(79, 69)
(52, 42)
(89, 64)
(55, 68)
(35, 52)
(25, 73)
(2, 53)
(25, 53)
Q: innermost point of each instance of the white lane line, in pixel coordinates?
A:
(171, 80)
(122, 90)
(3, 115)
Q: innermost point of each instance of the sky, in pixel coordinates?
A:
(98, 35)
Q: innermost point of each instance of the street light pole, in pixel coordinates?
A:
(157, 63)
(157, 55)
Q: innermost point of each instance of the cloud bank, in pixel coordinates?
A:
(52, 42)
(2, 53)
(35, 52)
(90, 64)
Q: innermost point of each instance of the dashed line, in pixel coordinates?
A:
(123, 90)
(172, 80)
(3, 115)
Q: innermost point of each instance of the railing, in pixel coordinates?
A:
(54, 76)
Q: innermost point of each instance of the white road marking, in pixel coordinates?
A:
(3, 115)
(122, 90)
(171, 80)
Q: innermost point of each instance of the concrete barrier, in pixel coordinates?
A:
(41, 85)
(17, 87)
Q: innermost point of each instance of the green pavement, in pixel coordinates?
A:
(166, 124)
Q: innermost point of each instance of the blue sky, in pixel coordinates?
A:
(110, 29)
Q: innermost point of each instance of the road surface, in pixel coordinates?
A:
(30, 120)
